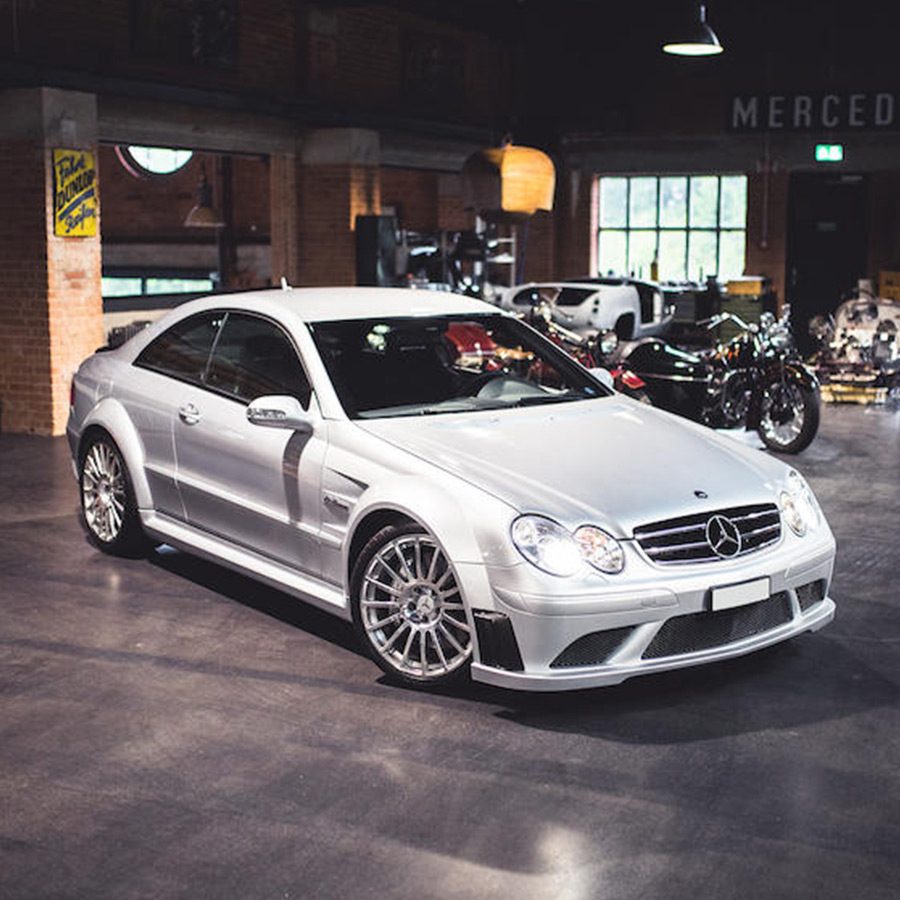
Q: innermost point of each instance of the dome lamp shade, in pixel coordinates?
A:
(696, 39)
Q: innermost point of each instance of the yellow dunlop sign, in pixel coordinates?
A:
(74, 193)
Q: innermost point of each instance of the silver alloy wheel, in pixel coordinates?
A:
(103, 491)
(412, 610)
(779, 432)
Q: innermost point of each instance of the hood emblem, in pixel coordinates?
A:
(723, 537)
(701, 495)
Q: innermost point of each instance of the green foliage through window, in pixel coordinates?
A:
(693, 225)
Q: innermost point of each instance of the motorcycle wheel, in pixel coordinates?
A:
(789, 416)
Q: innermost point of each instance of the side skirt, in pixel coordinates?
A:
(191, 540)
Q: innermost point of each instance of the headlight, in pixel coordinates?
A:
(547, 545)
(551, 548)
(798, 506)
(600, 549)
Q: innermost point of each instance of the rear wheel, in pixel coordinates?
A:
(107, 499)
(789, 415)
(408, 608)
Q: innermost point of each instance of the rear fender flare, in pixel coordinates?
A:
(110, 415)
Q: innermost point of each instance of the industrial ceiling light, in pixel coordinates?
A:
(697, 39)
(202, 215)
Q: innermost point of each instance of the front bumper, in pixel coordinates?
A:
(663, 621)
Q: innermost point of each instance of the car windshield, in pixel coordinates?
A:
(426, 366)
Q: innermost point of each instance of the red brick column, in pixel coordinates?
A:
(51, 311)
(316, 197)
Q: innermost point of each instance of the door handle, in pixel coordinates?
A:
(189, 414)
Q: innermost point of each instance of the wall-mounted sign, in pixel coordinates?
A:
(829, 152)
(74, 193)
(835, 111)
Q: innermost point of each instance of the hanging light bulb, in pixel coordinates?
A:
(697, 39)
(202, 214)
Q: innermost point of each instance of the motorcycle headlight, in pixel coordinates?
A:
(798, 506)
(547, 545)
(553, 549)
(600, 549)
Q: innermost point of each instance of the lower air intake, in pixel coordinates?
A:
(703, 631)
(591, 649)
(809, 595)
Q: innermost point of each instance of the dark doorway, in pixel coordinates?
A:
(826, 244)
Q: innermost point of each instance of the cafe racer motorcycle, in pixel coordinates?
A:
(755, 379)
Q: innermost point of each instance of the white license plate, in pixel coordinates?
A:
(740, 594)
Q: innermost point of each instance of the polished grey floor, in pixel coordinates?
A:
(169, 730)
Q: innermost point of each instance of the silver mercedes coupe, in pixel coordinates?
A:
(431, 469)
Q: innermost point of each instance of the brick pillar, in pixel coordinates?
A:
(51, 312)
(316, 196)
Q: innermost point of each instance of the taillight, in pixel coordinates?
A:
(71, 393)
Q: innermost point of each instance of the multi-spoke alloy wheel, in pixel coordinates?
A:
(106, 498)
(409, 609)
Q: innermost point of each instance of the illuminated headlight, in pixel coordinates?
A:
(553, 549)
(798, 506)
(600, 549)
(547, 545)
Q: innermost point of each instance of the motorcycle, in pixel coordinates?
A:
(592, 351)
(756, 380)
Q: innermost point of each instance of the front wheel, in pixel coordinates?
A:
(107, 499)
(789, 415)
(408, 609)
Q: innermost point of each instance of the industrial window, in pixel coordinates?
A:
(694, 226)
(144, 162)
(134, 285)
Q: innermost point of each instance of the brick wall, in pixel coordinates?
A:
(50, 308)
(156, 207)
(330, 197)
(24, 323)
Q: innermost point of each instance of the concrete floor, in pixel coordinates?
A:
(169, 730)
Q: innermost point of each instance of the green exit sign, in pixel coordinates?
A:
(829, 152)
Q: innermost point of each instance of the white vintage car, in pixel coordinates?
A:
(437, 472)
(633, 309)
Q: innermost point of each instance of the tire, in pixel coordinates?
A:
(788, 416)
(108, 507)
(408, 611)
(625, 327)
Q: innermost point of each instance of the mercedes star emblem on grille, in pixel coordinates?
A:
(723, 536)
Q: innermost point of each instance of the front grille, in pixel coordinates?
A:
(683, 540)
(702, 631)
(592, 649)
(808, 595)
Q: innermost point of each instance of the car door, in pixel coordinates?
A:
(254, 486)
(176, 358)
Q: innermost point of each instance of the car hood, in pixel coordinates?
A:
(612, 461)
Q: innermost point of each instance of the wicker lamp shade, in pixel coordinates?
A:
(508, 183)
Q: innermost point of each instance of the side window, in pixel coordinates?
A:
(254, 357)
(183, 350)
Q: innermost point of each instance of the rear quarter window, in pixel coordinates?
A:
(182, 351)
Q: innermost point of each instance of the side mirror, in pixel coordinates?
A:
(604, 376)
(280, 411)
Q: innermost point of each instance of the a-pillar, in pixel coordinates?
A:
(51, 311)
(316, 195)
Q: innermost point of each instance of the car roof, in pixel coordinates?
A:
(337, 303)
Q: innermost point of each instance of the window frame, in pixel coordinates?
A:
(658, 229)
(202, 384)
